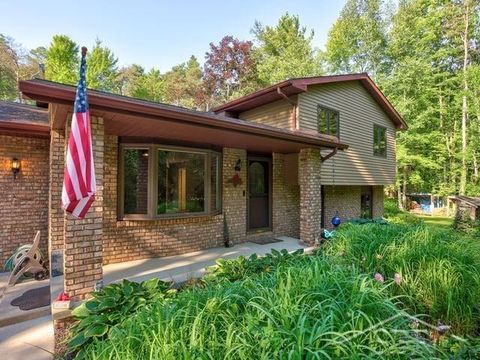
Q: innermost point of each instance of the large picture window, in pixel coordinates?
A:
(161, 181)
(328, 121)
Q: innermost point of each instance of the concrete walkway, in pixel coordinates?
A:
(29, 340)
(180, 268)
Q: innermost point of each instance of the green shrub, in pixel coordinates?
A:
(440, 269)
(390, 207)
(241, 267)
(111, 305)
(308, 308)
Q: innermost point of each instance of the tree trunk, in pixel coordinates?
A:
(463, 174)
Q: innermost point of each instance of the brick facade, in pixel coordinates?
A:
(23, 202)
(347, 201)
(127, 240)
(309, 166)
(83, 239)
(378, 201)
(285, 201)
(234, 197)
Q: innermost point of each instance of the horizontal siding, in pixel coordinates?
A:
(358, 113)
(278, 114)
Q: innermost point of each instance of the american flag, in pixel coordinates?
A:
(79, 184)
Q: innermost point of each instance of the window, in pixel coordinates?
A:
(379, 140)
(162, 181)
(328, 121)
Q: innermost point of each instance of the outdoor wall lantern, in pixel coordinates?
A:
(15, 167)
(238, 165)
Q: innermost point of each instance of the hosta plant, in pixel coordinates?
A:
(111, 305)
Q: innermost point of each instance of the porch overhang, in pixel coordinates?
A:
(128, 117)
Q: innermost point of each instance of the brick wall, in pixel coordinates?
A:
(309, 166)
(131, 240)
(23, 202)
(84, 238)
(378, 201)
(285, 202)
(234, 197)
(344, 199)
(347, 201)
(56, 218)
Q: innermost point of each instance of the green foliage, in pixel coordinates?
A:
(284, 51)
(241, 267)
(110, 306)
(62, 64)
(440, 269)
(309, 308)
(102, 68)
(183, 85)
(463, 223)
(363, 221)
(358, 39)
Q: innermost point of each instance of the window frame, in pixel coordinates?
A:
(328, 110)
(384, 128)
(152, 188)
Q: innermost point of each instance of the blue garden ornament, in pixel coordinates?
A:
(336, 220)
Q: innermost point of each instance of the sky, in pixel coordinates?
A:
(157, 34)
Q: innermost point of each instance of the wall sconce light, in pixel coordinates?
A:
(15, 167)
(238, 165)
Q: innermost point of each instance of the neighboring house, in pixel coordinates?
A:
(281, 161)
(469, 205)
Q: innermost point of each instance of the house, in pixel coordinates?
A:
(467, 205)
(280, 161)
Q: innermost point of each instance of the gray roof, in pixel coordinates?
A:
(11, 112)
(470, 200)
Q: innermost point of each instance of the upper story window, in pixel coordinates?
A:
(161, 181)
(379, 140)
(328, 121)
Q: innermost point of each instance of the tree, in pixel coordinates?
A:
(9, 69)
(357, 40)
(128, 80)
(102, 68)
(184, 86)
(229, 69)
(151, 86)
(62, 60)
(284, 51)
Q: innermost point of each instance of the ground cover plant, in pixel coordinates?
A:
(374, 291)
(308, 309)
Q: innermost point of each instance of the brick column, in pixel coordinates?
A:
(309, 165)
(83, 238)
(235, 197)
(56, 214)
(285, 199)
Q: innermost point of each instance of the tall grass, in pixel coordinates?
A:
(440, 269)
(313, 310)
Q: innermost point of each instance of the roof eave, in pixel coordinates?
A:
(65, 94)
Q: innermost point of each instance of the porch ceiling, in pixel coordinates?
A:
(129, 117)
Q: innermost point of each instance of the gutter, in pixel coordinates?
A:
(65, 94)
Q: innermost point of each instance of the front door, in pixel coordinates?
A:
(258, 193)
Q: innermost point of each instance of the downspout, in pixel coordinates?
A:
(294, 105)
(329, 155)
